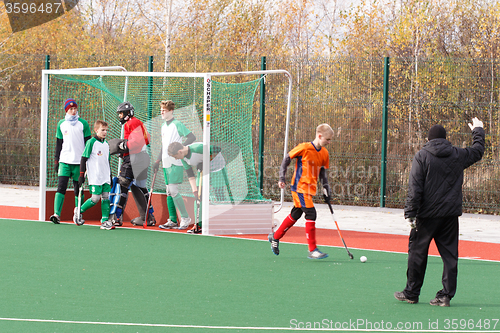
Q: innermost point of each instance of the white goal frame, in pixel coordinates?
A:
(207, 79)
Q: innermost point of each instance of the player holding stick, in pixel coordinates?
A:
(95, 163)
(172, 130)
(134, 169)
(192, 156)
(312, 162)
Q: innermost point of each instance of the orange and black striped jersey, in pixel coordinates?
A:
(310, 160)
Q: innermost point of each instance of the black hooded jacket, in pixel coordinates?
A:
(436, 177)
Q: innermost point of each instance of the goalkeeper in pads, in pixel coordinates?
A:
(134, 168)
(192, 156)
(95, 163)
(312, 160)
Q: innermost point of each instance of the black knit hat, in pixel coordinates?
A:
(436, 131)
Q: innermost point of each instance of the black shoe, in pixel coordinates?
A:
(440, 301)
(400, 296)
(55, 219)
(274, 243)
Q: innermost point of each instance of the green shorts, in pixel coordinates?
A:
(174, 174)
(99, 189)
(69, 170)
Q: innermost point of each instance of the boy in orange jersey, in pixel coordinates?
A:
(312, 162)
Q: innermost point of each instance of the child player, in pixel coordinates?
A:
(312, 162)
(95, 161)
(173, 130)
(71, 135)
(192, 156)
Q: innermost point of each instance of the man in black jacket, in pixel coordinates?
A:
(433, 205)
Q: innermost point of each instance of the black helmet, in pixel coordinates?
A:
(128, 111)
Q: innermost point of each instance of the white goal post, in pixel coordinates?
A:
(216, 219)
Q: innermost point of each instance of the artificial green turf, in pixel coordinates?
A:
(70, 273)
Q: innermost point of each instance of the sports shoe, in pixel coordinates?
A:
(55, 219)
(78, 221)
(116, 222)
(400, 296)
(168, 225)
(274, 243)
(138, 221)
(440, 301)
(317, 254)
(151, 220)
(196, 229)
(185, 223)
(107, 225)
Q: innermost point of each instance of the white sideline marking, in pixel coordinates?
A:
(225, 327)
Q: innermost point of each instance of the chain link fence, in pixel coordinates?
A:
(346, 93)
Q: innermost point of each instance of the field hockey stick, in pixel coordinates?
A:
(80, 193)
(149, 199)
(325, 196)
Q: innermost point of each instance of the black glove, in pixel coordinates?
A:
(327, 193)
(196, 197)
(199, 167)
(156, 166)
(56, 166)
(81, 179)
(413, 222)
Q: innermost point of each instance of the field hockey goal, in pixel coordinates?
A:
(218, 108)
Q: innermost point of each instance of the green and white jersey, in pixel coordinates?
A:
(171, 131)
(73, 140)
(195, 157)
(97, 152)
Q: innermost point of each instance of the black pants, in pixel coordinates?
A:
(444, 231)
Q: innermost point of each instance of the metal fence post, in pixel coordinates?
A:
(262, 126)
(383, 167)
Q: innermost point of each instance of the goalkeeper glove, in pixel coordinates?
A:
(123, 146)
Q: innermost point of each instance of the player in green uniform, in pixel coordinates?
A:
(173, 130)
(95, 162)
(71, 135)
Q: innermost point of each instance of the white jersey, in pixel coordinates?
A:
(195, 157)
(98, 170)
(171, 131)
(73, 140)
